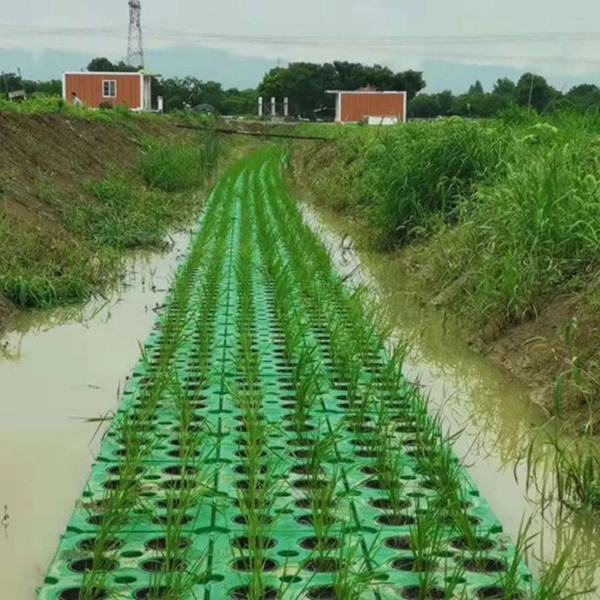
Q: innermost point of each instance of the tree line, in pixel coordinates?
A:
(306, 85)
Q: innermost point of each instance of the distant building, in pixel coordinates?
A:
(96, 89)
(369, 107)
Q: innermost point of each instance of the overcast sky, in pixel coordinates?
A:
(469, 37)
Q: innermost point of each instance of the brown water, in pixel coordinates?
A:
(57, 370)
(491, 415)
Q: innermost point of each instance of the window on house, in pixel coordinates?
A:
(109, 88)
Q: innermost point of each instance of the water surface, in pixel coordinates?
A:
(60, 375)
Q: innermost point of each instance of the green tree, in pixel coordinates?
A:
(305, 84)
(102, 63)
(505, 88)
(476, 88)
(584, 96)
(534, 91)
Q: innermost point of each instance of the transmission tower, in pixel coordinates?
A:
(135, 47)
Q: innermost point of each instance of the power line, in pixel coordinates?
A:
(164, 34)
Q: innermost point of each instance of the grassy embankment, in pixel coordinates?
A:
(500, 220)
(78, 188)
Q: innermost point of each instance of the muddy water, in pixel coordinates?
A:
(491, 415)
(58, 370)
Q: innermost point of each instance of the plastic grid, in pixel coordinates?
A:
(214, 524)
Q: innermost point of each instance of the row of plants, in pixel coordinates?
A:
(173, 375)
(381, 406)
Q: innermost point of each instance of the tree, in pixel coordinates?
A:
(305, 84)
(584, 96)
(103, 64)
(427, 106)
(476, 88)
(424, 106)
(505, 88)
(534, 91)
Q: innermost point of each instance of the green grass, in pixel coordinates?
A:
(176, 166)
(507, 212)
(41, 269)
(79, 253)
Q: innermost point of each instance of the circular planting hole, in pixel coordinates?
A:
(374, 484)
(179, 452)
(484, 565)
(416, 593)
(113, 484)
(386, 504)
(326, 592)
(245, 593)
(77, 593)
(180, 470)
(398, 542)
(161, 543)
(263, 518)
(243, 469)
(243, 542)
(161, 564)
(155, 592)
(248, 564)
(481, 543)
(409, 563)
(309, 519)
(312, 484)
(323, 564)
(497, 592)
(320, 543)
(85, 565)
(89, 544)
(300, 453)
(396, 520)
(179, 484)
(117, 469)
(303, 503)
(304, 469)
(300, 442)
(366, 453)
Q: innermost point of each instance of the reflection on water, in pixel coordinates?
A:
(491, 414)
(58, 370)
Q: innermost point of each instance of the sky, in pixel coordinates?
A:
(235, 42)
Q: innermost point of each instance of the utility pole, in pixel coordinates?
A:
(135, 46)
(530, 92)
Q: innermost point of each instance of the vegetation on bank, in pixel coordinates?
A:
(500, 220)
(501, 216)
(78, 251)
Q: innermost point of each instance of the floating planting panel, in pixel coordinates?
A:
(267, 446)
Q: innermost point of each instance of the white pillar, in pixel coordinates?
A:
(260, 106)
(161, 104)
(273, 107)
(286, 107)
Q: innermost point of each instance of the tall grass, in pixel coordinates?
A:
(175, 166)
(528, 233)
(42, 269)
(510, 208)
